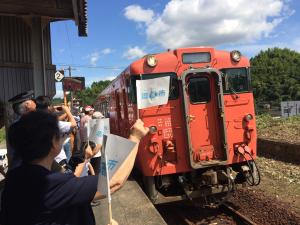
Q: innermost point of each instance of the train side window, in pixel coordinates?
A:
(199, 90)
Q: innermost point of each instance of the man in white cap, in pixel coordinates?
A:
(22, 104)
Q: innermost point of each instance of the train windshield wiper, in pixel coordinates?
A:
(232, 91)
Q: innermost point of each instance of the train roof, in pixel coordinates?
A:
(170, 60)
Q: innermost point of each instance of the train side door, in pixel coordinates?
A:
(125, 130)
(118, 111)
(203, 120)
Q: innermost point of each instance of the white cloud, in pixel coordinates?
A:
(106, 51)
(93, 58)
(138, 14)
(296, 44)
(251, 50)
(134, 52)
(186, 23)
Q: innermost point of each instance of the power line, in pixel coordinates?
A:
(91, 67)
(70, 49)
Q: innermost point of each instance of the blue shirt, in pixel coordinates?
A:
(34, 195)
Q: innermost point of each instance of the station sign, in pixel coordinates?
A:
(59, 75)
(73, 83)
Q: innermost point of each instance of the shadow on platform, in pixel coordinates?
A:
(130, 206)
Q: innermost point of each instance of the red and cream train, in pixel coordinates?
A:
(202, 143)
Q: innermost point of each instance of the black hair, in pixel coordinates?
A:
(79, 156)
(91, 144)
(16, 108)
(42, 103)
(31, 136)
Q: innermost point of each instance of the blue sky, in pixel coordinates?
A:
(121, 31)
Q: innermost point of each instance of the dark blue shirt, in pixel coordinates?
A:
(35, 195)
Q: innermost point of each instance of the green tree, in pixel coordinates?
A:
(276, 75)
(89, 95)
(57, 101)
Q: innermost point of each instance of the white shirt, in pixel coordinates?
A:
(98, 154)
(64, 128)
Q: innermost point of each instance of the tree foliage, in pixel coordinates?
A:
(57, 101)
(89, 95)
(276, 76)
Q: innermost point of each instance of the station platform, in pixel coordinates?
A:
(130, 206)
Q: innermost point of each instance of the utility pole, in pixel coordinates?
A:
(71, 93)
(65, 94)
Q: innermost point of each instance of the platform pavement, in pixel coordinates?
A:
(130, 206)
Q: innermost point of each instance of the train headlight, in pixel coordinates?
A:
(151, 60)
(152, 129)
(248, 117)
(235, 55)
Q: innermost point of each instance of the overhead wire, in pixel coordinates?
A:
(69, 42)
(91, 66)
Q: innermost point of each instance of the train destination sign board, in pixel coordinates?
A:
(73, 83)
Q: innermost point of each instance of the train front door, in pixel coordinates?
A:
(203, 118)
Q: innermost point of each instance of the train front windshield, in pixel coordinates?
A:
(174, 88)
(236, 80)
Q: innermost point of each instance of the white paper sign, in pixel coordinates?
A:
(115, 151)
(152, 92)
(88, 126)
(98, 128)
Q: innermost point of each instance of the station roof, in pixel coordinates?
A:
(52, 9)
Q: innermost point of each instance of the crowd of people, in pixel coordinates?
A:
(73, 124)
(53, 167)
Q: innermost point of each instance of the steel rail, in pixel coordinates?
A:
(244, 219)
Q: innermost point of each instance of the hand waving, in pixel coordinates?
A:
(138, 130)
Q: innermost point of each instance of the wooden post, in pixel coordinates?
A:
(38, 57)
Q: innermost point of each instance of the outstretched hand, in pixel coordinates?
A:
(88, 152)
(138, 131)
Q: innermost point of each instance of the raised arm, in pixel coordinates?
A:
(137, 132)
(69, 116)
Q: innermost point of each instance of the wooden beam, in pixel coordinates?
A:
(24, 65)
(75, 11)
(38, 10)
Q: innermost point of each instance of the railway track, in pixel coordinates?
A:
(185, 213)
(239, 217)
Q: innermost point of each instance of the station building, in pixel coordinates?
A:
(25, 46)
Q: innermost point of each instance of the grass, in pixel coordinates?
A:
(2, 134)
(285, 129)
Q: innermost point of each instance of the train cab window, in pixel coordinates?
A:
(174, 87)
(236, 80)
(196, 57)
(199, 90)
